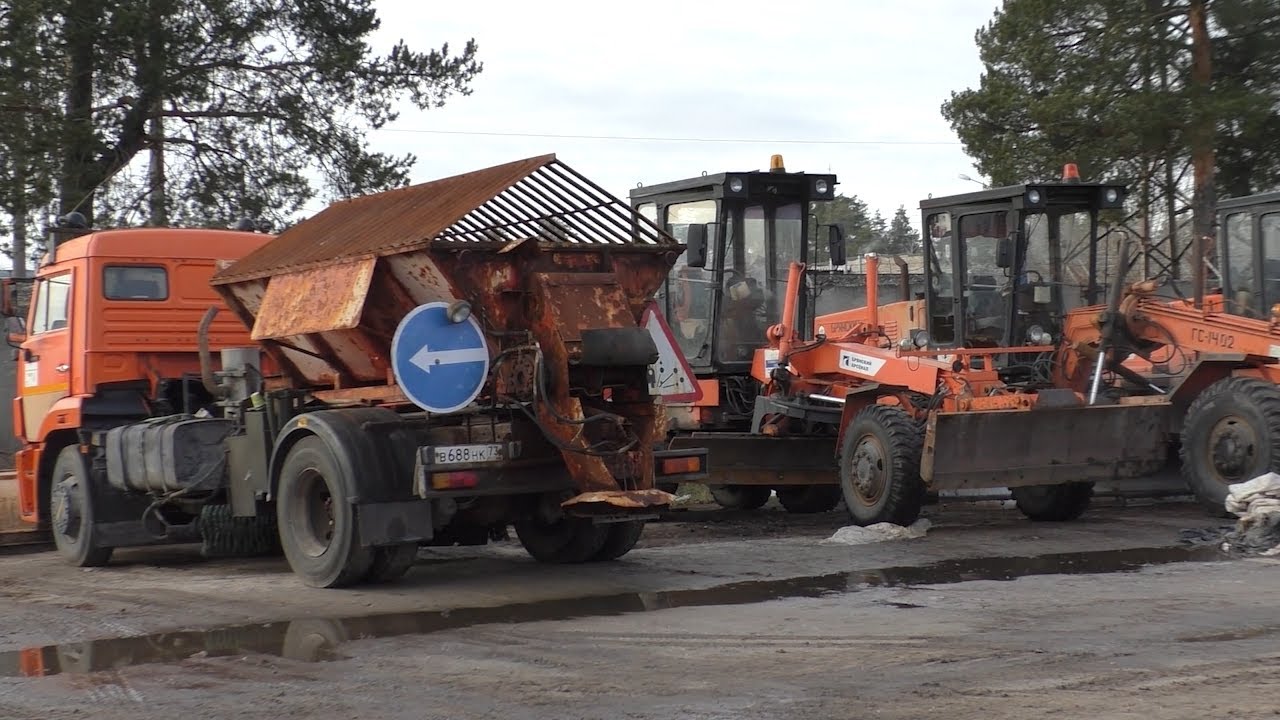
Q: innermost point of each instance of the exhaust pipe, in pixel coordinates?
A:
(206, 360)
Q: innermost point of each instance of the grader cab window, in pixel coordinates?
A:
(942, 293)
(985, 315)
(691, 294)
(1270, 229)
(1241, 274)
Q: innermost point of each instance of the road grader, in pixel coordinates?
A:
(1011, 370)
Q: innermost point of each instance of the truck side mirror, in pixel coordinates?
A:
(696, 245)
(1004, 250)
(835, 245)
(15, 297)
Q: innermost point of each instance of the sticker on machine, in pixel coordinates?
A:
(31, 374)
(859, 363)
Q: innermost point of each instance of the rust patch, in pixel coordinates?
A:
(625, 499)
(314, 301)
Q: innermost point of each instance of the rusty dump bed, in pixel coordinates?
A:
(327, 294)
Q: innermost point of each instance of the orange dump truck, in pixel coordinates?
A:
(426, 365)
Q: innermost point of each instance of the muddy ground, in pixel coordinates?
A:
(717, 615)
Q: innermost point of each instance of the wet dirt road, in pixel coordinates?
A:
(742, 616)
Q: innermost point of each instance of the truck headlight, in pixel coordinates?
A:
(735, 185)
(822, 187)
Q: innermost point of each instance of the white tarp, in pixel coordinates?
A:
(879, 532)
(1257, 504)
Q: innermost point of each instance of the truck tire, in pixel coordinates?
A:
(804, 499)
(621, 537)
(741, 497)
(1053, 503)
(391, 562)
(1231, 435)
(564, 540)
(880, 467)
(222, 535)
(71, 511)
(317, 525)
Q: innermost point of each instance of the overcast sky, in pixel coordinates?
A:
(849, 73)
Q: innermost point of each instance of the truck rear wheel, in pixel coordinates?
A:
(550, 536)
(741, 497)
(880, 467)
(803, 499)
(390, 563)
(317, 525)
(1053, 503)
(71, 510)
(621, 537)
(1231, 435)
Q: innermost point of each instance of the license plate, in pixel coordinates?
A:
(467, 454)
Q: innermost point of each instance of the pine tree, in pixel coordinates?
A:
(1150, 93)
(254, 106)
(902, 238)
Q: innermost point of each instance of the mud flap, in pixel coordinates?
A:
(1011, 448)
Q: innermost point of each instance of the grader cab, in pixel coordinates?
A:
(742, 229)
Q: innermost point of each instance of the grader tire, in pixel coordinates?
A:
(805, 499)
(1231, 435)
(741, 497)
(880, 467)
(1053, 503)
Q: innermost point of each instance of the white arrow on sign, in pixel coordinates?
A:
(426, 358)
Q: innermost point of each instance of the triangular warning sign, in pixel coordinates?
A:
(670, 377)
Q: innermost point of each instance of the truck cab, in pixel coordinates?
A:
(107, 336)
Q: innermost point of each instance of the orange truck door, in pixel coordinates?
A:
(45, 358)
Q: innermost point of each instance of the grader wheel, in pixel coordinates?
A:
(1053, 503)
(1231, 435)
(880, 467)
(803, 499)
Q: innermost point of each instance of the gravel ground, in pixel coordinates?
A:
(718, 615)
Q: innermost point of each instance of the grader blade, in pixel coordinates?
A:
(1043, 446)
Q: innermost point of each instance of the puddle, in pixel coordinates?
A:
(317, 640)
(1243, 634)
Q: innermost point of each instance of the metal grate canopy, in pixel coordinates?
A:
(537, 198)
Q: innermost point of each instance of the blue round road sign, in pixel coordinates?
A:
(441, 366)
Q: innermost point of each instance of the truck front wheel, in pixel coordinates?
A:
(317, 525)
(71, 508)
